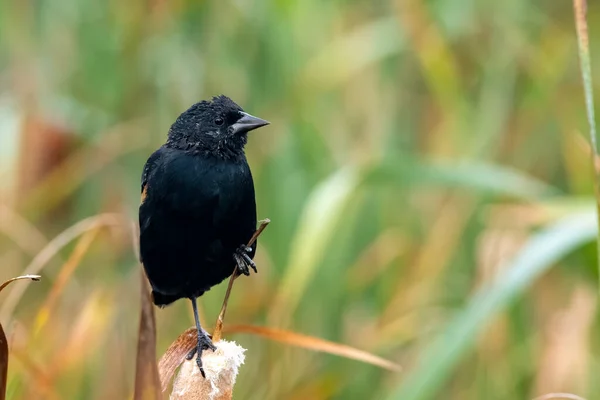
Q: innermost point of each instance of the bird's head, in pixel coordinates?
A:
(218, 127)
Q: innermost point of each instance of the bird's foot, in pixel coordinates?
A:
(204, 343)
(243, 260)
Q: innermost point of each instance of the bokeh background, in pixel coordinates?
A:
(427, 173)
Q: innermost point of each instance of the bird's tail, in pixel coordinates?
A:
(163, 300)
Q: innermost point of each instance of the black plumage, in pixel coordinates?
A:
(198, 206)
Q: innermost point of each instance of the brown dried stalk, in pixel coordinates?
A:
(147, 382)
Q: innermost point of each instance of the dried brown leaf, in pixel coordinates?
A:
(22, 277)
(313, 343)
(3, 363)
(4, 342)
(147, 382)
(175, 355)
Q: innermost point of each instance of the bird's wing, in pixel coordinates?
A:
(148, 169)
(180, 187)
(179, 201)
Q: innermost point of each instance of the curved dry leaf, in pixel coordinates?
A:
(3, 363)
(4, 342)
(22, 277)
(147, 383)
(175, 355)
(313, 343)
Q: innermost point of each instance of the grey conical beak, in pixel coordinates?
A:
(247, 123)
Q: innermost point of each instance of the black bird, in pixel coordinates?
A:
(198, 208)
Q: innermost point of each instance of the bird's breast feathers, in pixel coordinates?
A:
(195, 183)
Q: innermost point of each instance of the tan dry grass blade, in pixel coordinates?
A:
(64, 238)
(147, 383)
(175, 355)
(313, 343)
(4, 342)
(18, 278)
(65, 274)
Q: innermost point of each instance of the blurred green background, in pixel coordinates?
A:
(427, 173)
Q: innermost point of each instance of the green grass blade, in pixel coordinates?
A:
(580, 7)
(477, 176)
(538, 255)
(315, 231)
(586, 68)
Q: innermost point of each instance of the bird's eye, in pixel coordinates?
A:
(219, 121)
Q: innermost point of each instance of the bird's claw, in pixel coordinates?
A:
(204, 343)
(243, 260)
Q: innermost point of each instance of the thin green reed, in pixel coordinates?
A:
(580, 7)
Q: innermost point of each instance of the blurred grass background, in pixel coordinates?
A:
(426, 172)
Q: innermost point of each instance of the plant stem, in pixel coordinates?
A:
(216, 336)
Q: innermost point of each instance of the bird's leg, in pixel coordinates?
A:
(243, 260)
(204, 342)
